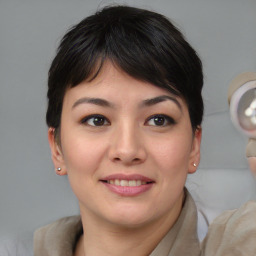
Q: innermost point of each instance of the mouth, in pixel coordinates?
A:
(127, 183)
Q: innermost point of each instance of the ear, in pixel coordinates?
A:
(57, 156)
(195, 151)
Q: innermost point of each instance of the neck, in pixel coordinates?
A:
(106, 239)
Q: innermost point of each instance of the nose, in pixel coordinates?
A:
(127, 146)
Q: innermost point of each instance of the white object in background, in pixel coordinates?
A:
(242, 100)
(243, 109)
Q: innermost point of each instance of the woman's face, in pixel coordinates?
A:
(127, 147)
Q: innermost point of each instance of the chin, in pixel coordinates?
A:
(130, 217)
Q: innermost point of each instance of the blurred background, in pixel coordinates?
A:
(31, 195)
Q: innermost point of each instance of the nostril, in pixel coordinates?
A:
(126, 160)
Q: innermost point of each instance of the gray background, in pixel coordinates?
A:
(31, 195)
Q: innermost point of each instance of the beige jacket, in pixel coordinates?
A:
(59, 238)
(233, 233)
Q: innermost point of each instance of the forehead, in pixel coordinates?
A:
(116, 86)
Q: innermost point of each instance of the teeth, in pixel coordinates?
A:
(124, 183)
(132, 183)
(127, 183)
(138, 183)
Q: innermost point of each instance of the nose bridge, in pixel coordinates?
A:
(127, 143)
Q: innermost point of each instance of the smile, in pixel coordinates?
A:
(127, 183)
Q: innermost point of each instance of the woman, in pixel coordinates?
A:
(124, 115)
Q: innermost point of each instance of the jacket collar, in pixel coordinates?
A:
(182, 238)
(59, 238)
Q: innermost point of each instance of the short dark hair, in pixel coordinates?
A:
(142, 43)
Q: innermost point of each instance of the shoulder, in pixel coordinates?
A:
(59, 236)
(47, 237)
(232, 233)
(17, 246)
(60, 228)
(60, 225)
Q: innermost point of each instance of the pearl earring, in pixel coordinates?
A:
(58, 170)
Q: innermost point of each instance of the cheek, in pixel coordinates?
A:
(172, 155)
(82, 155)
(82, 159)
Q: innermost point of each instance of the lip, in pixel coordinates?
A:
(120, 176)
(128, 191)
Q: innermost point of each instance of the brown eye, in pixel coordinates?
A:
(95, 120)
(160, 120)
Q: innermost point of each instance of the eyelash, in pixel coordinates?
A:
(167, 120)
(164, 120)
(93, 118)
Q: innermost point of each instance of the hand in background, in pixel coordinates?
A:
(251, 154)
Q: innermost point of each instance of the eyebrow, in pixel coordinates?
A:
(145, 103)
(95, 101)
(159, 99)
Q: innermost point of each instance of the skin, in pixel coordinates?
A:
(128, 141)
(252, 164)
(251, 155)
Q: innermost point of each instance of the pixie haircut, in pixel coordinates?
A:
(142, 43)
